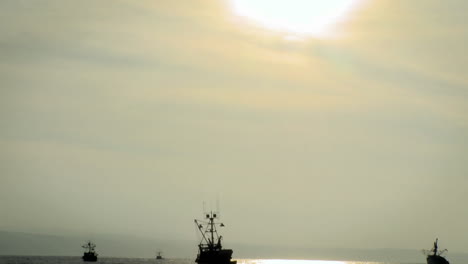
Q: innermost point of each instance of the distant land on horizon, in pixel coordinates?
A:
(18, 243)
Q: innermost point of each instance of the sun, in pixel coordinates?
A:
(302, 17)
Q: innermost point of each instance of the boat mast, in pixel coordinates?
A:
(211, 229)
(89, 246)
(212, 240)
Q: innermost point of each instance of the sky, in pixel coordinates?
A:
(124, 117)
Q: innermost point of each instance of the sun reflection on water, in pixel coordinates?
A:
(287, 261)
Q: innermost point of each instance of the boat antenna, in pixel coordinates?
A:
(217, 206)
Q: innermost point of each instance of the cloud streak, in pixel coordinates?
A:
(134, 108)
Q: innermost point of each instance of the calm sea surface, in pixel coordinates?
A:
(77, 260)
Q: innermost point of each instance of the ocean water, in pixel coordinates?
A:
(103, 260)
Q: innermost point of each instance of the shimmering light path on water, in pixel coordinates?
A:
(287, 261)
(108, 260)
(299, 261)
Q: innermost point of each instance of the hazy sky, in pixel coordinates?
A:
(124, 116)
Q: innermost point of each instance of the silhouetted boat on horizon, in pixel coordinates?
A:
(90, 255)
(210, 250)
(434, 256)
(159, 256)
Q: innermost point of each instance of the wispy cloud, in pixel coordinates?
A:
(122, 98)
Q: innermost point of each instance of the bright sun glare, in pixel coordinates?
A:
(303, 17)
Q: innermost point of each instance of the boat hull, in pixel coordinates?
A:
(436, 260)
(222, 256)
(89, 257)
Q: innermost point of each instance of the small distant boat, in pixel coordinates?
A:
(159, 256)
(434, 256)
(90, 254)
(210, 250)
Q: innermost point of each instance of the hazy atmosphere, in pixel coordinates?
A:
(121, 117)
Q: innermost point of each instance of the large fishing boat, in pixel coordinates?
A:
(210, 250)
(434, 256)
(90, 253)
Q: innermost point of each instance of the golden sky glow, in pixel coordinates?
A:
(138, 111)
(307, 17)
